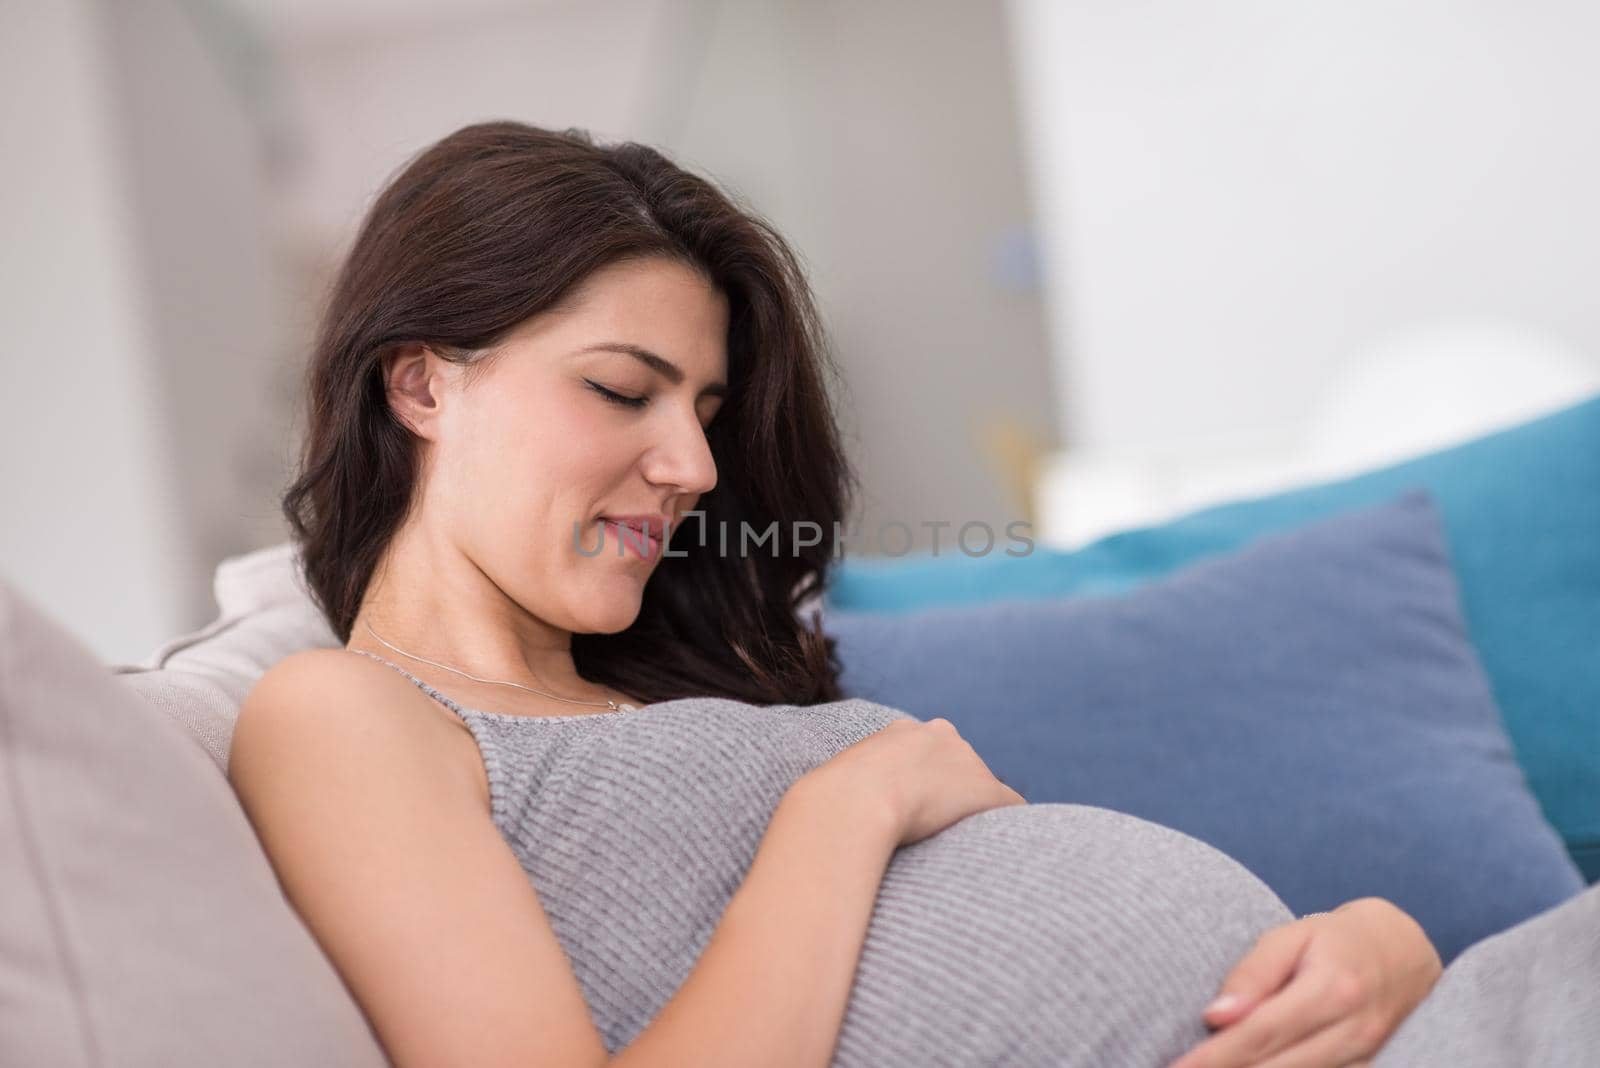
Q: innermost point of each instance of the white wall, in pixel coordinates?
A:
(1240, 197)
(92, 530)
(145, 440)
(198, 157)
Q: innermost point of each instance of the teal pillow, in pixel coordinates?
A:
(1521, 510)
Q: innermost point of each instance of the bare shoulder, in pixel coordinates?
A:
(323, 708)
(315, 670)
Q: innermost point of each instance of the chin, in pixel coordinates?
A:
(611, 626)
(611, 614)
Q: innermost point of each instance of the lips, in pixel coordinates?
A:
(645, 533)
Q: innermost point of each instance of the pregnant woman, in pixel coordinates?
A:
(576, 792)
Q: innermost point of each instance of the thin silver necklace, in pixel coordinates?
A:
(614, 706)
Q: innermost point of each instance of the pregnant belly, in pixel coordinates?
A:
(1049, 934)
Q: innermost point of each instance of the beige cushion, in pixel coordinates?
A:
(201, 679)
(141, 923)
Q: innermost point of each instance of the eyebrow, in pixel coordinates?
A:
(659, 364)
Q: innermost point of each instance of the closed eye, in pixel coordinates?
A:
(615, 397)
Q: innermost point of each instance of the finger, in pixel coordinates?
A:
(1300, 1010)
(1259, 974)
(1339, 1043)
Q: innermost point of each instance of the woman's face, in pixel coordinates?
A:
(533, 450)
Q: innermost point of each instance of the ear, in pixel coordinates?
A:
(414, 385)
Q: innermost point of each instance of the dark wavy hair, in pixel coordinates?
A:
(499, 222)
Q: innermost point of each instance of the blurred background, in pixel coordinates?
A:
(1086, 264)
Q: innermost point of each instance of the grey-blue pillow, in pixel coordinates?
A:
(1522, 520)
(1309, 704)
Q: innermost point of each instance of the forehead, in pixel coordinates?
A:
(659, 305)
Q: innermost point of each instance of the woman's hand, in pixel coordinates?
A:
(923, 775)
(1325, 991)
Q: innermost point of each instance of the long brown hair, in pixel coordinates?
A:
(499, 222)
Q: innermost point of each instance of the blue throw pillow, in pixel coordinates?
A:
(1521, 512)
(1310, 705)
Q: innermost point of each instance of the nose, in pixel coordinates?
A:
(682, 458)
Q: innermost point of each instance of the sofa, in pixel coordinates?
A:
(1318, 684)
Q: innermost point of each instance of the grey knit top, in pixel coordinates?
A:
(1048, 934)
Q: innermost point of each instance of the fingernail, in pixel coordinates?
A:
(1224, 1003)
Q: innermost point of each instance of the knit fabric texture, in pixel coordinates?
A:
(1049, 934)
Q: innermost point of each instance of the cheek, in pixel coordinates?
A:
(595, 455)
(547, 467)
(508, 474)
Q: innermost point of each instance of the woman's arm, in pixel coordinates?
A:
(382, 842)
(388, 854)
(772, 984)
